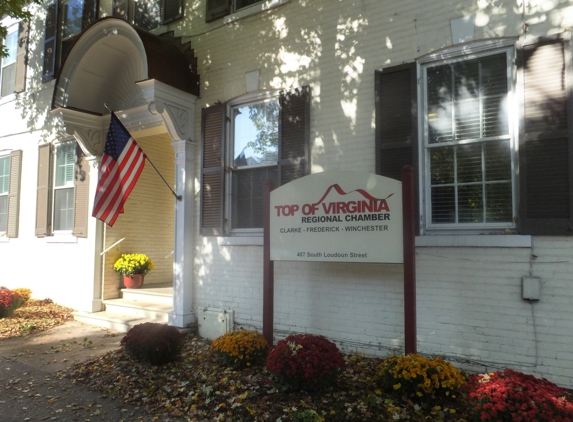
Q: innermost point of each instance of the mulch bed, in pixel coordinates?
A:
(199, 387)
(34, 316)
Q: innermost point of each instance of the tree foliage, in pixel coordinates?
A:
(16, 9)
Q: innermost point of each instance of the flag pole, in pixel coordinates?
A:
(178, 197)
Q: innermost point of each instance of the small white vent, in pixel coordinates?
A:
(214, 322)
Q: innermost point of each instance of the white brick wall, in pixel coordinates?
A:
(469, 305)
(469, 299)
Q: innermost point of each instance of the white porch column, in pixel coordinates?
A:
(182, 313)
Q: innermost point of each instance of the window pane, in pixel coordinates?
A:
(444, 205)
(64, 209)
(65, 165)
(3, 213)
(498, 202)
(442, 165)
(4, 174)
(469, 163)
(439, 84)
(73, 12)
(245, 3)
(470, 204)
(11, 44)
(498, 161)
(147, 14)
(256, 134)
(8, 79)
(247, 196)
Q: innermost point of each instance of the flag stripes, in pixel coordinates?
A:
(122, 163)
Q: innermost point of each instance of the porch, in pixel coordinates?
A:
(150, 303)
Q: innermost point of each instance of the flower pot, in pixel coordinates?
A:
(133, 281)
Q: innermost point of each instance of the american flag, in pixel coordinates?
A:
(121, 165)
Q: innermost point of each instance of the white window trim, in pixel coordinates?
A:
(253, 10)
(462, 52)
(473, 241)
(61, 236)
(251, 97)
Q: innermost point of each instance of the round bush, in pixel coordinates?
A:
(305, 362)
(153, 343)
(417, 376)
(517, 397)
(9, 302)
(241, 348)
(25, 294)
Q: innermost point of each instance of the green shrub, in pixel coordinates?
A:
(305, 362)
(9, 302)
(419, 377)
(241, 348)
(510, 396)
(153, 343)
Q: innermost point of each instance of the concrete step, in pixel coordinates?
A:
(159, 294)
(157, 312)
(114, 322)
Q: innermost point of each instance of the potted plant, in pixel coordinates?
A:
(133, 268)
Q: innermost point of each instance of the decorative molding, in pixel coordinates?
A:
(89, 129)
(176, 107)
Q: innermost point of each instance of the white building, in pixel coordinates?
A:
(475, 95)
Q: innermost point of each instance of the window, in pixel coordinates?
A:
(13, 66)
(4, 191)
(452, 119)
(218, 8)
(8, 70)
(63, 186)
(10, 193)
(65, 19)
(148, 14)
(264, 138)
(468, 147)
(254, 153)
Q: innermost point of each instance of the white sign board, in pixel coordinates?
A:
(338, 216)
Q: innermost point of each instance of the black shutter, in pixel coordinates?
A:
(397, 123)
(212, 170)
(217, 9)
(294, 135)
(545, 148)
(171, 10)
(50, 42)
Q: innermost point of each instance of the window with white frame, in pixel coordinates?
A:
(487, 129)
(64, 178)
(4, 191)
(467, 142)
(246, 141)
(8, 63)
(62, 190)
(254, 159)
